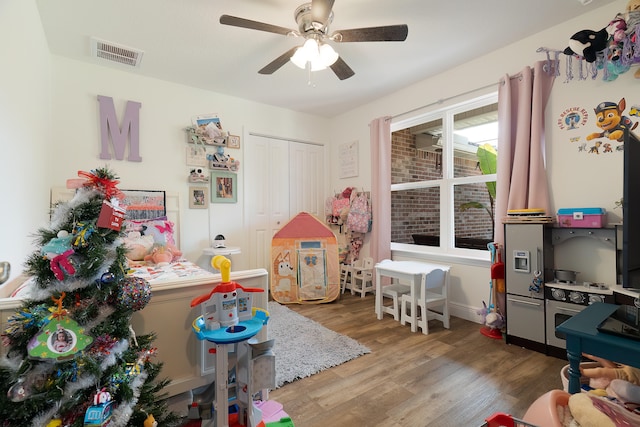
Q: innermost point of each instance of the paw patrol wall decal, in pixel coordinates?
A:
(573, 118)
(611, 124)
(611, 121)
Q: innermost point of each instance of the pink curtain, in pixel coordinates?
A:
(522, 178)
(380, 129)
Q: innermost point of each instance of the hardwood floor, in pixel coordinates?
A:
(455, 377)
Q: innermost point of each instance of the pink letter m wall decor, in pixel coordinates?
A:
(130, 127)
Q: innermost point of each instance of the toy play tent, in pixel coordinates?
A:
(305, 268)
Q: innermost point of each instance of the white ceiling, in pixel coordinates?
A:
(184, 42)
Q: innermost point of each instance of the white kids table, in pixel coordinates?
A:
(413, 272)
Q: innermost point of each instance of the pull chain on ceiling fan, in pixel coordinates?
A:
(315, 54)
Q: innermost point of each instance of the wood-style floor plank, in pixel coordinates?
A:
(454, 377)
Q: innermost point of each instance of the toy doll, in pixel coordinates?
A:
(610, 371)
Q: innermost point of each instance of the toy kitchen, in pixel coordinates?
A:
(540, 295)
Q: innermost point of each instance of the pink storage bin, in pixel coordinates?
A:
(582, 217)
(549, 410)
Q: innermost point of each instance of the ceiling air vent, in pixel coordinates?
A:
(115, 53)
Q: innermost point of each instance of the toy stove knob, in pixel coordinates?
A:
(576, 297)
(558, 294)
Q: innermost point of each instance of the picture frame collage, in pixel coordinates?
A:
(210, 182)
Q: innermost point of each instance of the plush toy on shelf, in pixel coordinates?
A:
(587, 43)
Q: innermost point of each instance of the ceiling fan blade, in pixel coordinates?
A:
(254, 25)
(390, 33)
(320, 10)
(274, 65)
(342, 70)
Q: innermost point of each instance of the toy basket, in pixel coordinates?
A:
(500, 419)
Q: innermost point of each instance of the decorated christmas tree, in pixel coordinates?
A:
(71, 350)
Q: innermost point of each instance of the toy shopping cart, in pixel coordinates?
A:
(500, 419)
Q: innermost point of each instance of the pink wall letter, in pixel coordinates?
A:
(130, 127)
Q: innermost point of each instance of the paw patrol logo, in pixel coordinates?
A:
(573, 118)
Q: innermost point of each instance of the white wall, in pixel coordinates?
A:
(167, 108)
(25, 129)
(575, 181)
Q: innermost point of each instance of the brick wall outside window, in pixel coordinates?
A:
(417, 211)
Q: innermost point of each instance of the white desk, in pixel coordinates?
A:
(413, 272)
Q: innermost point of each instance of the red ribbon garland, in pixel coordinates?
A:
(106, 185)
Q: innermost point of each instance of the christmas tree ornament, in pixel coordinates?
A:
(60, 338)
(111, 215)
(19, 392)
(81, 232)
(133, 293)
(106, 278)
(103, 181)
(103, 344)
(57, 251)
(150, 421)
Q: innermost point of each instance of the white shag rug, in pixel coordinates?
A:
(304, 347)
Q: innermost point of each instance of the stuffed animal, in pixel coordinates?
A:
(162, 255)
(632, 16)
(137, 245)
(617, 28)
(587, 43)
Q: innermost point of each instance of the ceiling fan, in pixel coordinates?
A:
(313, 21)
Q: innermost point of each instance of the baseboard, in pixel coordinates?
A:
(465, 312)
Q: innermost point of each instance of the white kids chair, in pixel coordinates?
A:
(362, 277)
(432, 293)
(394, 292)
(345, 277)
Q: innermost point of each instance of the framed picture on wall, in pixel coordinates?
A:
(224, 187)
(198, 197)
(233, 141)
(144, 204)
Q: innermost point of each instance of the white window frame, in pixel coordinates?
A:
(447, 250)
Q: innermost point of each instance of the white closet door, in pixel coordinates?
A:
(307, 179)
(282, 178)
(266, 195)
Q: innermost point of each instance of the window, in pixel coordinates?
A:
(440, 196)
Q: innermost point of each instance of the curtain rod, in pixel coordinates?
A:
(443, 100)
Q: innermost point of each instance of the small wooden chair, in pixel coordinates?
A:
(362, 277)
(345, 277)
(394, 292)
(432, 294)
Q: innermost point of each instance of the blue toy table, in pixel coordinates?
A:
(584, 337)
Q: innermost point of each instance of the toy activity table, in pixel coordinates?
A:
(584, 337)
(413, 272)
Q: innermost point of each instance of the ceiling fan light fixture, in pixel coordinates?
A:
(328, 56)
(299, 58)
(320, 56)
